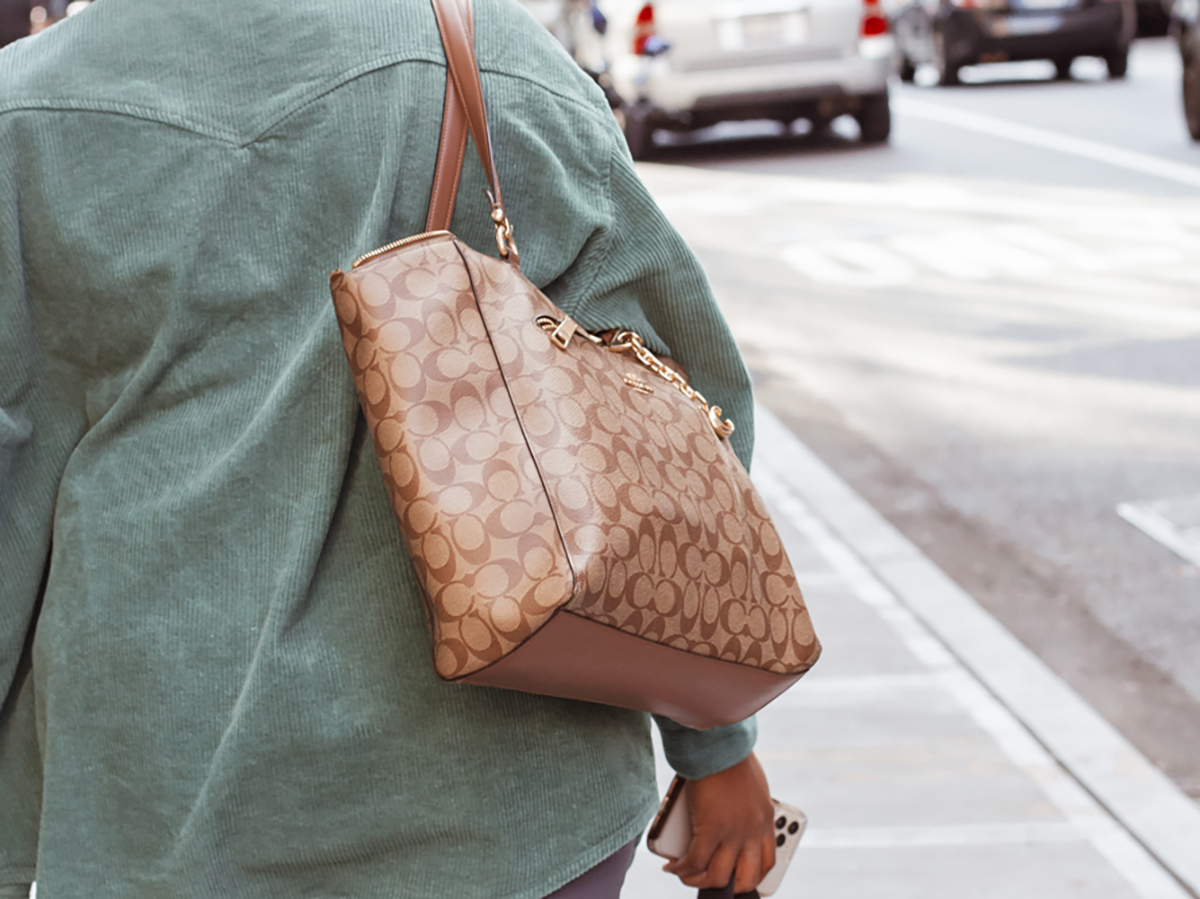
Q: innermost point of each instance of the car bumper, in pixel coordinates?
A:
(980, 36)
(690, 98)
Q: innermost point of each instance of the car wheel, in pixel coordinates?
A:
(1117, 62)
(947, 70)
(906, 70)
(639, 132)
(818, 127)
(1062, 68)
(1191, 95)
(874, 119)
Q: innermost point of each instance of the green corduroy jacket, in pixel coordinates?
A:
(214, 664)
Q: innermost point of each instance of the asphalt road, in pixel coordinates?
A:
(991, 329)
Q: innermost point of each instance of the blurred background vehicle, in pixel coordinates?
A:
(682, 65)
(1153, 17)
(951, 34)
(580, 26)
(14, 20)
(1185, 25)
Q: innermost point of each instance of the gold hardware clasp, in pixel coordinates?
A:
(561, 332)
(504, 233)
(723, 428)
(628, 341)
(561, 336)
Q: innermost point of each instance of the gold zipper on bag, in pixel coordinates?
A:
(396, 244)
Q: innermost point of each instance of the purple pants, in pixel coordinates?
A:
(601, 882)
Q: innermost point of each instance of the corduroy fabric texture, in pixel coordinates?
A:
(214, 663)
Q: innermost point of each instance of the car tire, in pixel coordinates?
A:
(818, 127)
(1117, 62)
(1191, 95)
(946, 69)
(1062, 68)
(905, 69)
(874, 118)
(639, 131)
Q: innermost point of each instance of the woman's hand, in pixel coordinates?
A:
(733, 835)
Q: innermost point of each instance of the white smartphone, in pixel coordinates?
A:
(671, 832)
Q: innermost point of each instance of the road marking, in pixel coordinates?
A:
(968, 254)
(954, 835)
(850, 263)
(1130, 160)
(1038, 721)
(869, 684)
(1173, 523)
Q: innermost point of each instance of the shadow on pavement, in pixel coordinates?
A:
(727, 143)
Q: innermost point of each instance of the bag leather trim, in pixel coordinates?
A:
(576, 658)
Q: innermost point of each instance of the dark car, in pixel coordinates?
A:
(14, 20)
(951, 34)
(1185, 23)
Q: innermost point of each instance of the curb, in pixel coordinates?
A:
(1137, 795)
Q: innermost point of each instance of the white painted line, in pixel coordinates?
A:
(1036, 718)
(954, 835)
(1154, 524)
(1130, 160)
(951, 676)
(1118, 847)
(860, 684)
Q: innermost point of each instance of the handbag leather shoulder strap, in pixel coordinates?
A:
(452, 147)
(456, 25)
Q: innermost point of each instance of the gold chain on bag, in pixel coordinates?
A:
(629, 341)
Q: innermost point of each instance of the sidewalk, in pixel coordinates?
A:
(934, 756)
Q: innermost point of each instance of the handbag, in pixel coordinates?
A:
(576, 518)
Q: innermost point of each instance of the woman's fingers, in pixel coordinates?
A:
(732, 825)
(745, 865)
(719, 871)
(768, 852)
(750, 868)
(696, 860)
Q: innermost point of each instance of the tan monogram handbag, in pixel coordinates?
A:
(578, 523)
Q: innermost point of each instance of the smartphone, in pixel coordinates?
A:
(671, 832)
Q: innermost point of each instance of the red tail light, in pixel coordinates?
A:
(874, 22)
(643, 28)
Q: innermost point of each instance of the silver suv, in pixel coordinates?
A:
(687, 64)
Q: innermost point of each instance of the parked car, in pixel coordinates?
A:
(951, 34)
(1153, 17)
(580, 27)
(686, 64)
(1185, 24)
(14, 20)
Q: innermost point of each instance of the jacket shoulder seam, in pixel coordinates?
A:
(126, 110)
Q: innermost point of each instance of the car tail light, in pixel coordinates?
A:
(643, 29)
(979, 4)
(874, 21)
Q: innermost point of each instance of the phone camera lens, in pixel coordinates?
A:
(780, 840)
(795, 825)
(781, 823)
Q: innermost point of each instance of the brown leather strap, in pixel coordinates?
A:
(455, 25)
(452, 147)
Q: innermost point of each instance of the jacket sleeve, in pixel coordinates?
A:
(24, 522)
(638, 272)
(26, 506)
(42, 414)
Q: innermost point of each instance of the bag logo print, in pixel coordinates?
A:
(638, 384)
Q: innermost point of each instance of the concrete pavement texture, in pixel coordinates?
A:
(933, 754)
